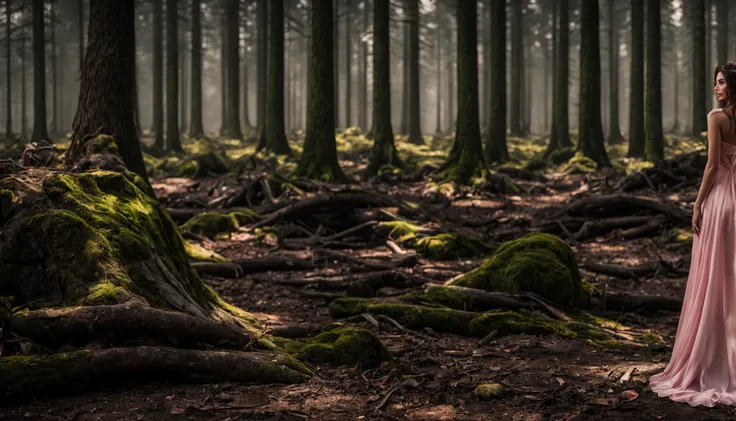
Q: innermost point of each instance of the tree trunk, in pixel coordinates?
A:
(40, 131)
(275, 132)
(404, 122)
(466, 155)
(319, 159)
(590, 130)
(560, 136)
(438, 62)
(699, 63)
(517, 50)
(262, 17)
(54, 124)
(415, 131)
(614, 130)
(246, 64)
(348, 64)
(636, 83)
(8, 72)
(158, 75)
(173, 143)
(183, 81)
(654, 137)
(106, 88)
(384, 149)
(232, 128)
(363, 106)
(23, 84)
(196, 128)
(80, 33)
(721, 39)
(336, 59)
(450, 75)
(496, 148)
(555, 69)
(223, 68)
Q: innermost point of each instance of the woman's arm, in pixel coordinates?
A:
(714, 157)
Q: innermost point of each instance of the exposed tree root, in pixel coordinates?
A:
(612, 204)
(633, 302)
(341, 201)
(240, 268)
(408, 260)
(129, 323)
(623, 272)
(23, 377)
(592, 229)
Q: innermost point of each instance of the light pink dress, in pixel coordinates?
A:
(702, 368)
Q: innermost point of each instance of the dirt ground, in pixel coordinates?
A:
(433, 375)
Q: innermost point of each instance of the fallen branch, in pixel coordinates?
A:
(324, 254)
(634, 302)
(240, 268)
(125, 323)
(25, 377)
(623, 272)
(607, 204)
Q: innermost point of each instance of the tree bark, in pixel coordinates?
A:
(196, 128)
(636, 83)
(232, 129)
(590, 130)
(496, 147)
(415, 131)
(23, 98)
(173, 143)
(183, 95)
(54, 124)
(158, 75)
(246, 65)
(40, 130)
(8, 72)
(80, 33)
(363, 106)
(438, 60)
(614, 130)
(348, 64)
(699, 63)
(466, 156)
(319, 159)
(517, 83)
(223, 68)
(560, 136)
(262, 17)
(275, 132)
(384, 149)
(106, 88)
(654, 148)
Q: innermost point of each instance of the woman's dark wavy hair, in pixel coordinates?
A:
(729, 73)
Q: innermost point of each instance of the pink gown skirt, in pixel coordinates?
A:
(702, 368)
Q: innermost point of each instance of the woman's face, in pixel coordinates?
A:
(720, 88)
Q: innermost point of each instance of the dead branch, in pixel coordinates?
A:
(606, 204)
(240, 268)
(620, 271)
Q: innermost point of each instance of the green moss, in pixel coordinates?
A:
(6, 194)
(579, 164)
(21, 375)
(443, 246)
(467, 323)
(245, 217)
(537, 262)
(211, 224)
(650, 338)
(204, 165)
(342, 346)
(197, 253)
(97, 236)
(679, 235)
(104, 143)
(448, 297)
(486, 392)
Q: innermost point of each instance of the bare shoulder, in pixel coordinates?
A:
(716, 113)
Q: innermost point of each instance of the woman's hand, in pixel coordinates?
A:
(697, 218)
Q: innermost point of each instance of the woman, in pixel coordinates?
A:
(702, 368)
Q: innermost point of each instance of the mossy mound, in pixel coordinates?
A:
(204, 165)
(212, 223)
(486, 392)
(537, 262)
(465, 323)
(197, 253)
(95, 238)
(340, 347)
(579, 164)
(442, 246)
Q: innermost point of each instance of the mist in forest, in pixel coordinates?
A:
(530, 61)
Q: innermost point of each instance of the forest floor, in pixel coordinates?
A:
(547, 377)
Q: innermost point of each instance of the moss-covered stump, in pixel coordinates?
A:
(340, 347)
(465, 323)
(211, 224)
(95, 238)
(434, 245)
(537, 262)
